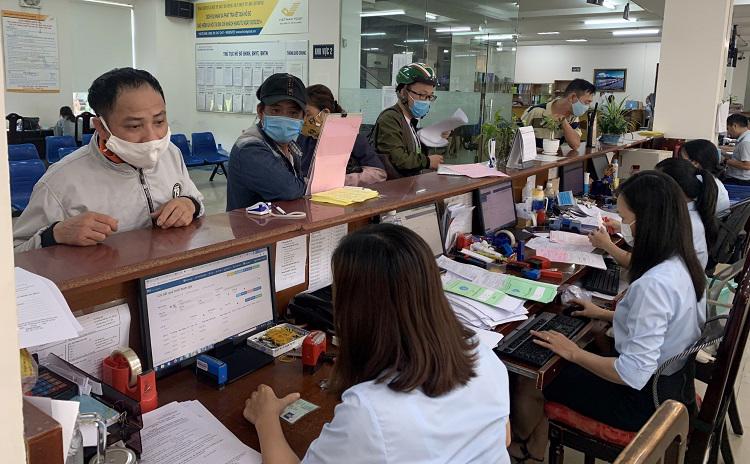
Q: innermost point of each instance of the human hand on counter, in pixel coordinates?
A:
(177, 212)
(85, 229)
(264, 404)
(435, 161)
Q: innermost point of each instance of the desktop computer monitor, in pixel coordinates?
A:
(30, 124)
(572, 178)
(424, 221)
(496, 210)
(190, 311)
(601, 163)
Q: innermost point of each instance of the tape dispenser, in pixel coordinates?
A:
(122, 370)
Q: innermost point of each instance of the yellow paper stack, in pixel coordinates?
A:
(345, 196)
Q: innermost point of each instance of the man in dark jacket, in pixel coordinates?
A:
(395, 132)
(264, 164)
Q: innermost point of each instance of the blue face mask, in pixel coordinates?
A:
(282, 129)
(579, 109)
(420, 108)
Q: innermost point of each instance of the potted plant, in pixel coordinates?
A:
(612, 122)
(551, 145)
(501, 131)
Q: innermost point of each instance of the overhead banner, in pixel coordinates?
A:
(231, 18)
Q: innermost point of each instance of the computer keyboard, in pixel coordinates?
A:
(520, 343)
(606, 281)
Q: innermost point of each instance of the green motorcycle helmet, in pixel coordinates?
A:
(416, 72)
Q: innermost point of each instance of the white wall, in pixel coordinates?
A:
(12, 447)
(166, 47)
(739, 80)
(92, 38)
(542, 64)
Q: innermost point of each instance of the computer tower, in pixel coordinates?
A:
(178, 9)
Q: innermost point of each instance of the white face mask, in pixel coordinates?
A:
(142, 155)
(627, 233)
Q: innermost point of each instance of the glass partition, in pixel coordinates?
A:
(470, 44)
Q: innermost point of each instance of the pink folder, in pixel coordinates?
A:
(333, 151)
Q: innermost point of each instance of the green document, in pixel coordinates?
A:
(529, 290)
(475, 292)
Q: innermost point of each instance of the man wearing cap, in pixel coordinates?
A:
(265, 161)
(395, 132)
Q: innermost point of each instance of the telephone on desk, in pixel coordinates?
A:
(314, 308)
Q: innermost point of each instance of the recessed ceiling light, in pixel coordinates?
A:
(513, 49)
(453, 29)
(430, 16)
(445, 50)
(465, 33)
(369, 14)
(608, 4)
(466, 55)
(592, 22)
(371, 34)
(636, 32)
(499, 49)
(494, 37)
(547, 33)
(576, 40)
(373, 49)
(415, 41)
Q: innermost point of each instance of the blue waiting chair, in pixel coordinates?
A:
(181, 141)
(63, 152)
(204, 146)
(53, 143)
(22, 152)
(86, 138)
(23, 176)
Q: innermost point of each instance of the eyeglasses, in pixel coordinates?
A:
(422, 96)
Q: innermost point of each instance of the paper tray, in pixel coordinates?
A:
(256, 342)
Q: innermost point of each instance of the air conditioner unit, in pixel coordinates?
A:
(30, 3)
(178, 9)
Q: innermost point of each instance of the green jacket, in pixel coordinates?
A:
(392, 136)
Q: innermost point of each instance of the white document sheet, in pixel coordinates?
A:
(237, 76)
(43, 314)
(103, 331)
(291, 262)
(247, 76)
(488, 337)
(322, 244)
(431, 135)
(579, 241)
(187, 433)
(583, 258)
(64, 412)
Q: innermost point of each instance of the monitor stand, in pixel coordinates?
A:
(241, 359)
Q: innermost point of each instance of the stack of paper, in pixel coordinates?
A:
(345, 196)
(475, 171)
(466, 300)
(565, 247)
(457, 219)
(187, 433)
(43, 314)
(510, 285)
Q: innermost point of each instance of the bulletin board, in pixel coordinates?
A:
(229, 74)
(32, 62)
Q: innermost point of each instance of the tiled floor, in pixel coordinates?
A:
(214, 193)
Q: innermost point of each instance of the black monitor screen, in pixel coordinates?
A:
(497, 209)
(572, 179)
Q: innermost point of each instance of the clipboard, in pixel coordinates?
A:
(523, 149)
(332, 152)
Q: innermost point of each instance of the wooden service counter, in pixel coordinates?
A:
(89, 276)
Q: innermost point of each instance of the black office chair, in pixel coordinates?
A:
(86, 128)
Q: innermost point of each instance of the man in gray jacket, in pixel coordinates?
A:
(130, 176)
